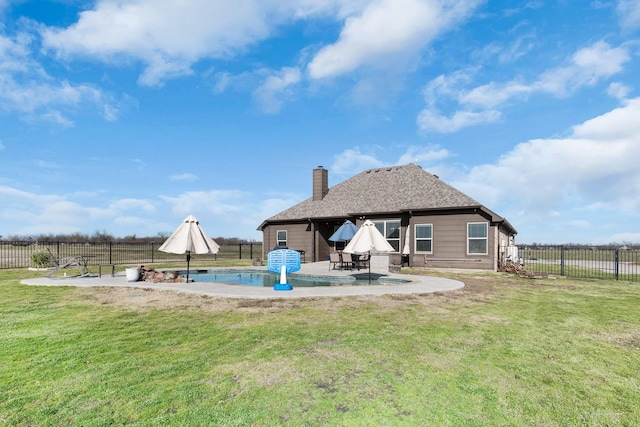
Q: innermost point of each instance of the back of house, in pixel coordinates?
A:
(428, 222)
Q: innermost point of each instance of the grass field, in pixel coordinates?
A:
(503, 351)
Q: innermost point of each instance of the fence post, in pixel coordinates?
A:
(110, 252)
(617, 262)
(251, 250)
(240, 250)
(562, 260)
(152, 253)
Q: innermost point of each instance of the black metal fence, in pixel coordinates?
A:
(20, 254)
(582, 262)
(562, 260)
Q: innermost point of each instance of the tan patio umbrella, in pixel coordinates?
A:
(405, 249)
(189, 238)
(368, 240)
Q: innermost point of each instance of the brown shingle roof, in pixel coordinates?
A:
(381, 190)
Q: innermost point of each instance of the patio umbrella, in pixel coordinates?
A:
(189, 237)
(368, 240)
(405, 248)
(345, 232)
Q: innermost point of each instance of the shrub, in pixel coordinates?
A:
(41, 259)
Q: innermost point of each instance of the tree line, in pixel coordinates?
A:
(613, 245)
(104, 237)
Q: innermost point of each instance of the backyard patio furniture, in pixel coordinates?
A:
(362, 261)
(79, 261)
(334, 260)
(347, 261)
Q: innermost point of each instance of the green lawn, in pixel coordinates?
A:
(502, 351)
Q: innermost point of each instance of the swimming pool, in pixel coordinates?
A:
(268, 279)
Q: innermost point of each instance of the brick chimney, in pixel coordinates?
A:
(320, 183)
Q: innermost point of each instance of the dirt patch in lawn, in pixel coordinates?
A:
(477, 289)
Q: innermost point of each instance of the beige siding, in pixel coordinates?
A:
(324, 247)
(298, 238)
(449, 243)
(503, 243)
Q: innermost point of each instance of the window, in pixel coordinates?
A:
(477, 238)
(281, 238)
(340, 244)
(391, 231)
(424, 238)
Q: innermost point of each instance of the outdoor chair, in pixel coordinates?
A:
(61, 263)
(334, 259)
(347, 261)
(362, 261)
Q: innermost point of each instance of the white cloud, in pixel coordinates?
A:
(184, 177)
(227, 203)
(419, 154)
(33, 96)
(618, 90)
(629, 11)
(619, 124)
(225, 213)
(592, 172)
(28, 213)
(168, 37)
(25, 213)
(621, 238)
(221, 82)
(276, 87)
(445, 86)
(387, 32)
(30, 91)
(433, 121)
(125, 205)
(552, 190)
(56, 117)
(587, 67)
(493, 95)
(479, 105)
(112, 108)
(46, 164)
(165, 35)
(353, 161)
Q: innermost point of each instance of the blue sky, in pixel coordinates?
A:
(127, 116)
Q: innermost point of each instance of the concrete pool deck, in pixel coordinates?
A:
(417, 284)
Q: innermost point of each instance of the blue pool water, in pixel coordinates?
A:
(265, 278)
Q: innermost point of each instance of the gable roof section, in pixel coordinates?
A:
(381, 190)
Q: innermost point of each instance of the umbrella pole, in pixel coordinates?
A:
(369, 267)
(188, 259)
